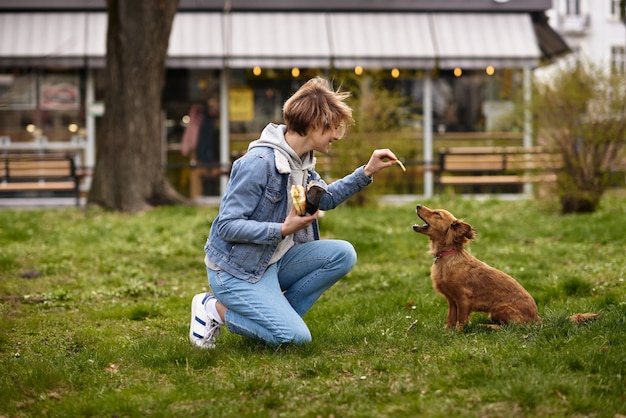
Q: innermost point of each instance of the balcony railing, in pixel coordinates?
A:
(574, 24)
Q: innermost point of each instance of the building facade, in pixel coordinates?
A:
(594, 29)
(457, 67)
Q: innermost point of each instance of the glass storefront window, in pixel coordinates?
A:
(476, 101)
(469, 101)
(35, 103)
(191, 108)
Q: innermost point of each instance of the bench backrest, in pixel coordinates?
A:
(498, 159)
(42, 167)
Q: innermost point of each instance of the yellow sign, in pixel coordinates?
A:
(241, 104)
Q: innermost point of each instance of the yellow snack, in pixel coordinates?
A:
(298, 196)
(401, 165)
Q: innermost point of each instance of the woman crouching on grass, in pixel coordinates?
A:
(266, 264)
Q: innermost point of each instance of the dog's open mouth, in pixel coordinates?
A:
(420, 228)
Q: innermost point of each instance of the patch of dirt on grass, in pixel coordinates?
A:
(501, 409)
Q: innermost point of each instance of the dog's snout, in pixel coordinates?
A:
(418, 207)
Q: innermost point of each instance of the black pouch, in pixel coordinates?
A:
(314, 194)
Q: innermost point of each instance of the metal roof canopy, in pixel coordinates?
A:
(279, 40)
(287, 39)
(196, 41)
(381, 40)
(299, 5)
(476, 40)
(37, 38)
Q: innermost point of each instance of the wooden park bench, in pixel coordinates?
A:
(39, 173)
(496, 166)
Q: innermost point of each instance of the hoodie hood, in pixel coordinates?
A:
(287, 161)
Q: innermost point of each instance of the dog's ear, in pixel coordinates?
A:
(464, 232)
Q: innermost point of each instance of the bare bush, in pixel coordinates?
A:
(581, 113)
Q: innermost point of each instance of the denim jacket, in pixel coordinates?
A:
(246, 231)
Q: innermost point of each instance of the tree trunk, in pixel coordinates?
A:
(129, 174)
(578, 204)
(577, 199)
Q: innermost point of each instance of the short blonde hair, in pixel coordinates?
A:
(315, 105)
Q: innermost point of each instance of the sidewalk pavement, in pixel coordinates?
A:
(67, 202)
(61, 202)
(38, 202)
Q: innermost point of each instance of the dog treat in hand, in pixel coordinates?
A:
(401, 165)
(298, 196)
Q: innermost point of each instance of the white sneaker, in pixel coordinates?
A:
(204, 329)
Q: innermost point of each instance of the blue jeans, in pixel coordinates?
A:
(272, 308)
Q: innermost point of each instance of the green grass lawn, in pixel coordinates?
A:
(95, 311)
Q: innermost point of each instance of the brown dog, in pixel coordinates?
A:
(468, 284)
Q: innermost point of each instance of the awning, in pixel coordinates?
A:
(381, 40)
(550, 42)
(96, 39)
(284, 40)
(279, 40)
(79, 40)
(42, 39)
(196, 41)
(476, 40)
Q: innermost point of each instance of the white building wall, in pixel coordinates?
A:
(590, 27)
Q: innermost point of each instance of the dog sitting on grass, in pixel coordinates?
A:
(468, 284)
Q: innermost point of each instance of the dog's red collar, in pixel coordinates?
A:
(443, 254)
